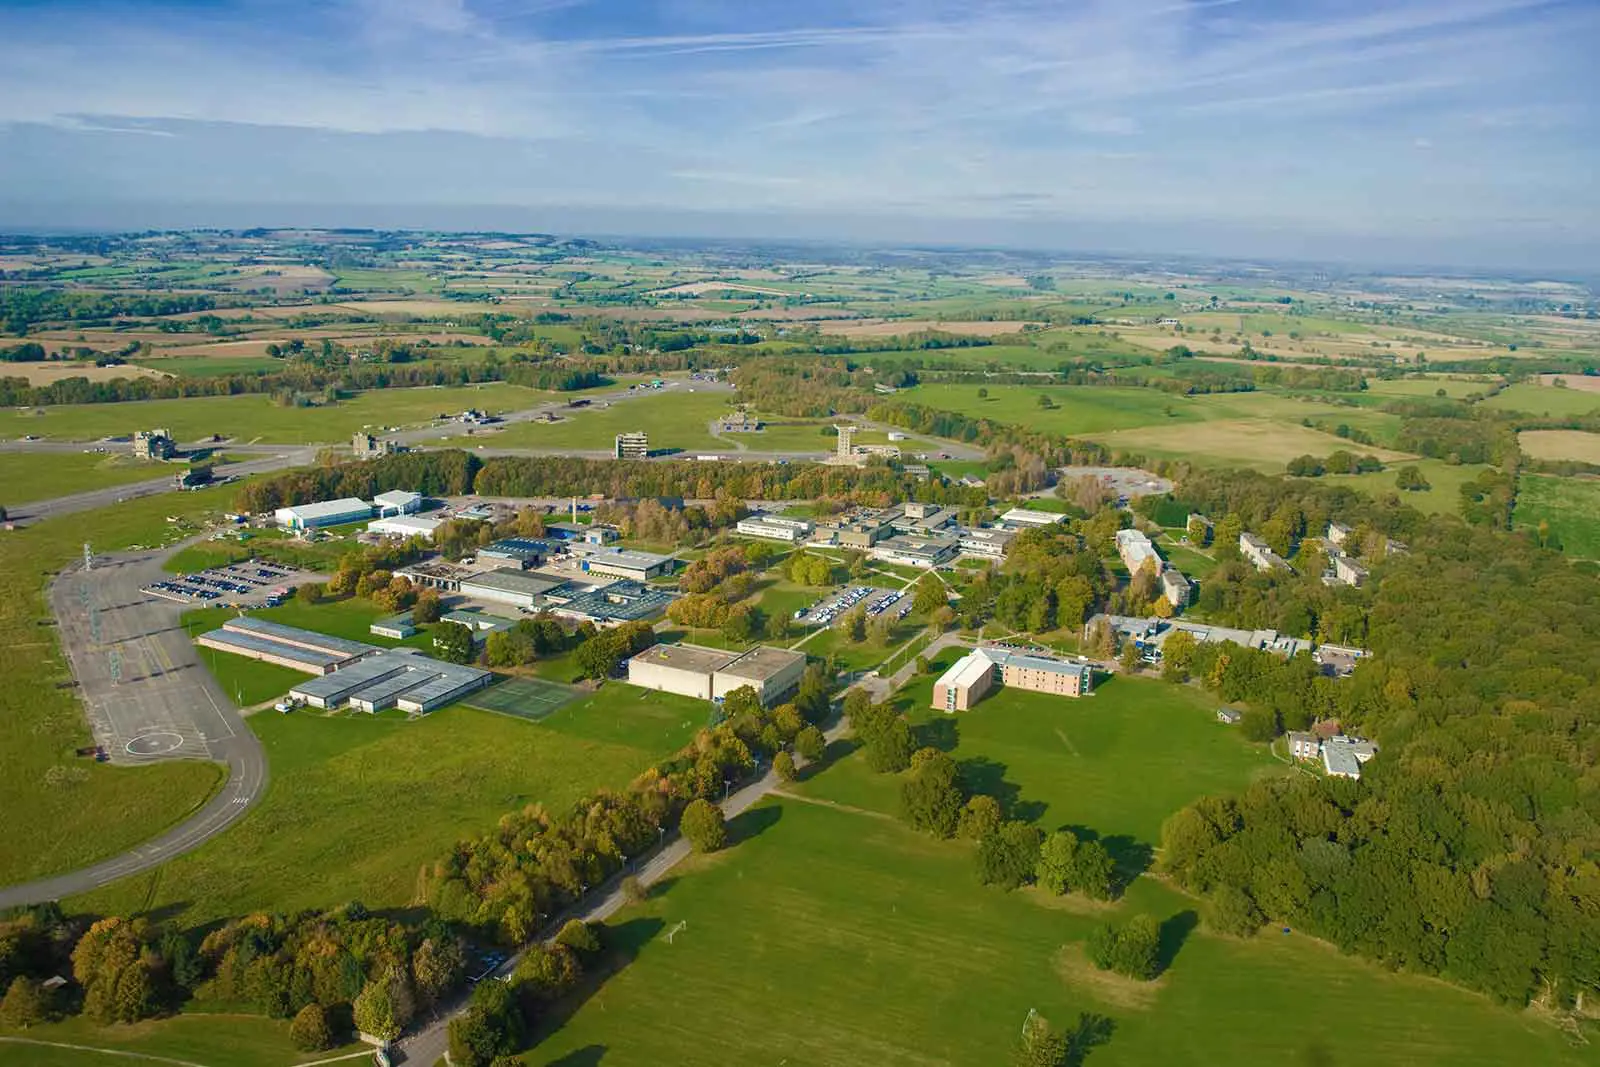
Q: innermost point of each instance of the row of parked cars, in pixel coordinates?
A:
(238, 579)
(825, 611)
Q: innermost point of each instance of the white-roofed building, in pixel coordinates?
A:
(967, 681)
(1028, 518)
(323, 513)
(1136, 551)
(404, 526)
(397, 502)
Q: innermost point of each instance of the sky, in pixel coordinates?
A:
(1423, 131)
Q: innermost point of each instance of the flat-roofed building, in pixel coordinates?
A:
(1260, 554)
(1338, 532)
(610, 605)
(405, 527)
(927, 550)
(397, 502)
(400, 678)
(508, 586)
(1303, 745)
(967, 681)
(986, 544)
(287, 646)
(773, 673)
(916, 517)
(397, 627)
(632, 445)
(622, 563)
(775, 528)
(1028, 518)
(524, 552)
(323, 513)
(480, 623)
(154, 444)
(683, 669)
(1339, 758)
(436, 574)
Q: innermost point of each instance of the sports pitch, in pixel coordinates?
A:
(525, 698)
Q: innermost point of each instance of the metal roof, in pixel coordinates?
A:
(324, 509)
(248, 642)
(278, 632)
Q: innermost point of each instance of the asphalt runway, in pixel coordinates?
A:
(147, 698)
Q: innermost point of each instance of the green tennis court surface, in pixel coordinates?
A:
(526, 698)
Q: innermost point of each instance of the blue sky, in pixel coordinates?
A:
(1448, 130)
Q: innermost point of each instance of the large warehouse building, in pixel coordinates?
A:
(508, 586)
(971, 677)
(620, 563)
(324, 513)
(401, 678)
(711, 674)
(287, 646)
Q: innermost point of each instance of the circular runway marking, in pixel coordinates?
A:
(155, 744)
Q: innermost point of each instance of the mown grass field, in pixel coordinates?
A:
(77, 811)
(1077, 410)
(359, 807)
(1545, 400)
(1561, 444)
(1570, 505)
(1262, 444)
(673, 418)
(193, 1037)
(28, 476)
(256, 418)
(1442, 497)
(831, 936)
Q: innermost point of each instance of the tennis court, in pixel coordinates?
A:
(525, 698)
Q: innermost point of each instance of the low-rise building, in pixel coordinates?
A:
(609, 605)
(1175, 587)
(1303, 745)
(1229, 716)
(970, 678)
(711, 674)
(1338, 533)
(397, 627)
(523, 552)
(323, 513)
(1151, 633)
(1260, 554)
(1348, 571)
(508, 585)
(622, 563)
(436, 574)
(632, 445)
(366, 446)
(1028, 518)
(1136, 551)
(287, 646)
(932, 550)
(914, 518)
(404, 526)
(985, 543)
(154, 444)
(397, 502)
(398, 678)
(775, 528)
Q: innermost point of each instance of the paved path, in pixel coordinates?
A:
(141, 678)
(427, 1046)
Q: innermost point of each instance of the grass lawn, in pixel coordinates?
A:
(77, 811)
(1545, 400)
(255, 417)
(673, 418)
(28, 476)
(1427, 387)
(271, 545)
(834, 937)
(359, 807)
(1570, 505)
(1072, 761)
(1442, 497)
(1078, 410)
(212, 366)
(623, 714)
(195, 1037)
(1263, 444)
(784, 434)
(1193, 563)
(862, 655)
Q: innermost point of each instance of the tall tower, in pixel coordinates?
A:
(847, 440)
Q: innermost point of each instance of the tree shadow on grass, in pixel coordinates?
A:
(1174, 932)
(1087, 1034)
(752, 823)
(981, 775)
(620, 946)
(942, 734)
(588, 1056)
(1129, 857)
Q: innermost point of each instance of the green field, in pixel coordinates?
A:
(212, 366)
(523, 698)
(359, 806)
(1427, 387)
(1538, 399)
(1078, 410)
(673, 418)
(32, 476)
(78, 811)
(1443, 497)
(275, 545)
(255, 417)
(212, 1040)
(1570, 505)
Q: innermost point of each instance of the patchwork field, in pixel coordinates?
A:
(256, 418)
(1075, 410)
(369, 802)
(1570, 505)
(673, 419)
(1561, 444)
(1259, 443)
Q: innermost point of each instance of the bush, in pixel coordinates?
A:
(1007, 858)
(579, 936)
(783, 764)
(704, 827)
(25, 1004)
(810, 743)
(1133, 951)
(310, 1032)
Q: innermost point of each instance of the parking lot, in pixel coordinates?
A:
(251, 582)
(834, 606)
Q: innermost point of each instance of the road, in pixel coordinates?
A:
(428, 1045)
(147, 698)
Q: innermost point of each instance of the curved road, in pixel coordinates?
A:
(140, 676)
